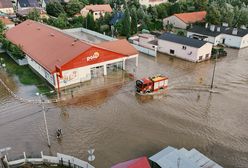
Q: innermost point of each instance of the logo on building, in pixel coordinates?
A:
(93, 57)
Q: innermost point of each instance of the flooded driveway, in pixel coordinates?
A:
(106, 114)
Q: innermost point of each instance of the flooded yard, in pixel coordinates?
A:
(106, 114)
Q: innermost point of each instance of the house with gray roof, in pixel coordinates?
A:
(230, 37)
(25, 4)
(185, 48)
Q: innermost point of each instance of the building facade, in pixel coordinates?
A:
(96, 10)
(183, 20)
(224, 35)
(147, 3)
(63, 60)
(6, 7)
(185, 48)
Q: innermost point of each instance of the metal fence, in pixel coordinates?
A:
(60, 159)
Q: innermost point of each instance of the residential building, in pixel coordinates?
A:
(63, 60)
(7, 22)
(183, 20)
(96, 10)
(184, 47)
(171, 157)
(231, 37)
(145, 40)
(147, 3)
(6, 6)
(22, 13)
(25, 4)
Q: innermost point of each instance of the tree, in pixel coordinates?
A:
(213, 14)
(96, 1)
(134, 21)
(2, 27)
(54, 8)
(60, 22)
(73, 7)
(34, 15)
(90, 23)
(126, 24)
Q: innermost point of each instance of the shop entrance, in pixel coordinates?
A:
(114, 67)
(97, 71)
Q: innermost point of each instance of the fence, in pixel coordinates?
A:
(151, 52)
(60, 159)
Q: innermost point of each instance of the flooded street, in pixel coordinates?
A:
(107, 115)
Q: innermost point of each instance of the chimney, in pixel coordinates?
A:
(225, 24)
(212, 27)
(218, 29)
(235, 31)
(243, 27)
(206, 25)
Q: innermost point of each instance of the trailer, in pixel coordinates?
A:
(151, 84)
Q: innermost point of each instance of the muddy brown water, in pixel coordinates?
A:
(120, 125)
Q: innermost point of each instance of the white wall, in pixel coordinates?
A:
(204, 51)
(7, 10)
(175, 21)
(244, 42)
(42, 71)
(189, 54)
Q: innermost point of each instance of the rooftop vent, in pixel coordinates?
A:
(38, 28)
(73, 43)
(243, 27)
(235, 31)
(225, 24)
(218, 29)
(212, 27)
(51, 34)
(206, 25)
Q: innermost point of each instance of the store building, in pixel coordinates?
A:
(63, 60)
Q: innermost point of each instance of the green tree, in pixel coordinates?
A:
(54, 8)
(34, 15)
(90, 23)
(2, 27)
(126, 24)
(134, 21)
(73, 7)
(213, 14)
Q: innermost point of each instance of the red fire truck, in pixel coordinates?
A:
(151, 84)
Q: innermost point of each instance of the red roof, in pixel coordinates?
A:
(192, 17)
(141, 162)
(95, 8)
(40, 41)
(119, 46)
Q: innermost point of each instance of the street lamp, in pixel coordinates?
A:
(44, 114)
(212, 82)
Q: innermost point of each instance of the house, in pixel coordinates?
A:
(22, 13)
(7, 22)
(184, 47)
(147, 3)
(63, 60)
(96, 10)
(231, 37)
(25, 4)
(183, 20)
(171, 157)
(6, 6)
(145, 40)
(141, 162)
(116, 18)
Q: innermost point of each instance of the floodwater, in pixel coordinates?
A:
(107, 115)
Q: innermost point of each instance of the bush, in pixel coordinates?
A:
(14, 50)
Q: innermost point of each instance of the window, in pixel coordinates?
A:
(200, 58)
(184, 47)
(207, 56)
(172, 51)
(96, 13)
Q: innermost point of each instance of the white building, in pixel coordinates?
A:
(184, 48)
(145, 40)
(183, 20)
(230, 37)
(6, 7)
(63, 60)
(96, 10)
(147, 3)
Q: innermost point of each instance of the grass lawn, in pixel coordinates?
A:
(25, 74)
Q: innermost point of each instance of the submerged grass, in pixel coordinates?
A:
(24, 73)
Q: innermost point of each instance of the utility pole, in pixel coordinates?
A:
(212, 82)
(44, 115)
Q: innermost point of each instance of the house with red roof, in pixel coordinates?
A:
(183, 20)
(63, 60)
(96, 10)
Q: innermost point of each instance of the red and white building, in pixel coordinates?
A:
(63, 60)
